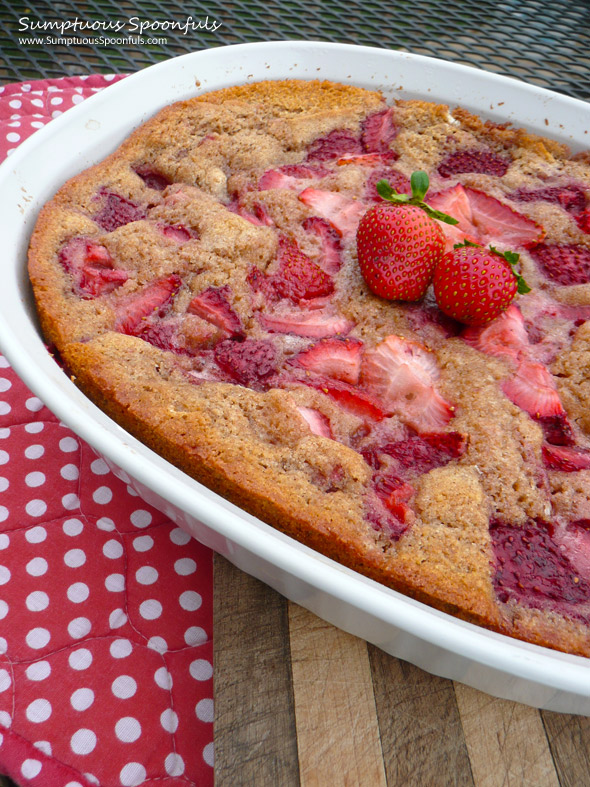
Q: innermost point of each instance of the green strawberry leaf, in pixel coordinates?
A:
(419, 183)
(466, 243)
(512, 259)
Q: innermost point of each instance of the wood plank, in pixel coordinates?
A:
(569, 741)
(421, 734)
(255, 741)
(337, 728)
(506, 741)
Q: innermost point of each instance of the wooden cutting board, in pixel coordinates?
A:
(299, 702)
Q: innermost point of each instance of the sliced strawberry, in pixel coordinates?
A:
(330, 258)
(290, 176)
(420, 453)
(368, 159)
(338, 142)
(352, 399)
(261, 285)
(317, 422)
(249, 362)
(565, 265)
(557, 429)
(583, 221)
(171, 334)
(483, 219)
(151, 177)
(533, 390)
(484, 162)
(378, 131)
(214, 306)
(91, 268)
(504, 336)
(571, 198)
(339, 358)
(117, 211)
(568, 459)
(402, 374)
(342, 212)
(315, 324)
(396, 180)
(298, 276)
(392, 524)
(259, 216)
(394, 493)
(177, 233)
(153, 300)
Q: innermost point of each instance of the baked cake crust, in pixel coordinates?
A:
(162, 278)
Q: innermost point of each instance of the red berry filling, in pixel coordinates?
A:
(531, 569)
(249, 362)
(483, 162)
(213, 305)
(151, 301)
(568, 459)
(298, 276)
(338, 142)
(152, 178)
(91, 268)
(117, 211)
(378, 131)
(564, 264)
(571, 198)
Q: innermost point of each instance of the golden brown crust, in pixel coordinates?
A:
(241, 442)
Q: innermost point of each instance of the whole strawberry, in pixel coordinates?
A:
(399, 243)
(475, 285)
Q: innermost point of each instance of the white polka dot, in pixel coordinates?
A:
(102, 495)
(56, 113)
(209, 754)
(5, 408)
(38, 638)
(4, 384)
(35, 479)
(150, 609)
(163, 678)
(115, 583)
(31, 452)
(131, 491)
(78, 592)
(43, 746)
(4, 575)
(68, 444)
(201, 669)
(128, 729)
(12, 136)
(80, 659)
(73, 784)
(15, 103)
(105, 523)
(69, 472)
(72, 527)
(82, 699)
(4, 362)
(117, 618)
(5, 718)
(83, 741)
(178, 536)
(4, 432)
(79, 627)
(112, 549)
(37, 123)
(143, 543)
(108, 77)
(33, 403)
(141, 518)
(4, 484)
(185, 566)
(71, 501)
(36, 102)
(120, 649)
(204, 710)
(174, 764)
(4, 540)
(37, 567)
(39, 711)
(25, 88)
(99, 467)
(36, 535)
(158, 643)
(38, 670)
(37, 601)
(169, 720)
(91, 778)
(56, 100)
(5, 680)
(4, 513)
(146, 575)
(34, 427)
(36, 507)
(4, 457)
(75, 558)
(30, 768)
(195, 635)
(77, 99)
(124, 687)
(132, 774)
(190, 600)
(3, 609)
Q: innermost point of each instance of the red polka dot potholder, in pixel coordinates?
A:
(105, 606)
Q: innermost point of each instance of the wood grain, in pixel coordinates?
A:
(421, 734)
(506, 741)
(255, 736)
(569, 741)
(337, 728)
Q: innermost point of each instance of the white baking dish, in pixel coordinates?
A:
(434, 641)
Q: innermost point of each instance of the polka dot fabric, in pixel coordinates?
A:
(105, 606)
